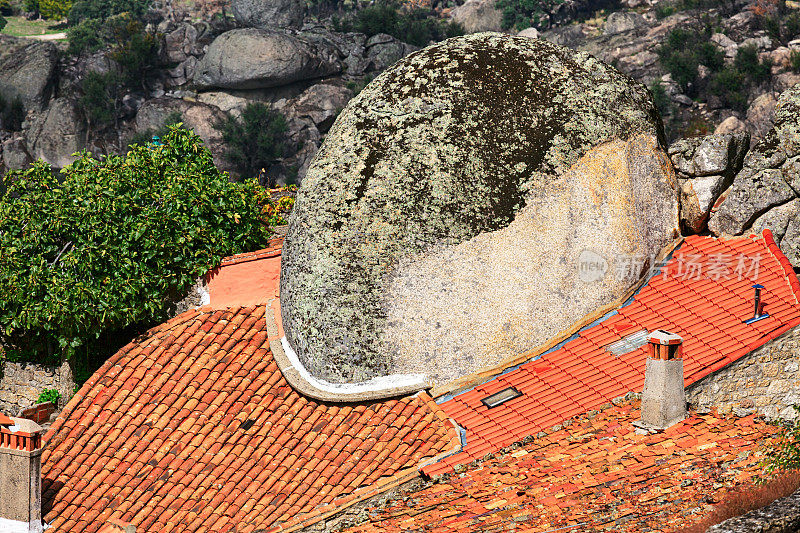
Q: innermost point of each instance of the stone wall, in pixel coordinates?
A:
(21, 384)
(766, 381)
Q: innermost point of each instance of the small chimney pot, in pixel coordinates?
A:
(664, 396)
(20, 476)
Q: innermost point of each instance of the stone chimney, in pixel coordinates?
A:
(20, 476)
(663, 397)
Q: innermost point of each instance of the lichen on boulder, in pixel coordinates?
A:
(447, 145)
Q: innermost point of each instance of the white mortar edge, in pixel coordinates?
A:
(380, 387)
(17, 526)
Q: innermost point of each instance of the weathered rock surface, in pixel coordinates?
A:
(254, 58)
(769, 178)
(27, 70)
(15, 155)
(623, 21)
(449, 144)
(267, 14)
(760, 114)
(57, 133)
(197, 116)
(477, 15)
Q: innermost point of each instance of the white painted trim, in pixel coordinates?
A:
(374, 385)
(17, 526)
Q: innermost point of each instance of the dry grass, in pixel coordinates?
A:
(747, 498)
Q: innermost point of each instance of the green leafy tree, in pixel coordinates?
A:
(521, 14)
(256, 140)
(103, 9)
(3, 22)
(54, 9)
(110, 242)
(134, 49)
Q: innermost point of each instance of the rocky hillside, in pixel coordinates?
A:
(210, 65)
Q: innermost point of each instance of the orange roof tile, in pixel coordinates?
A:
(707, 311)
(597, 474)
(192, 427)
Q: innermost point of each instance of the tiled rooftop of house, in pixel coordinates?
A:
(193, 428)
(703, 293)
(596, 474)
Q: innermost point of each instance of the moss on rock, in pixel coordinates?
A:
(449, 143)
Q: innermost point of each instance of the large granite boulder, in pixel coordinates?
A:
(706, 167)
(268, 13)
(411, 211)
(27, 70)
(770, 176)
(477, 15)
(57, 134)
(254, 58)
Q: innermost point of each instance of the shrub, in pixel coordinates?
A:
(104, 9)
(521, 14)
(730, 85)
(86, 37)
(660, 98)
(748, 63)
(3, 22)
(134, 50)
(256, 141)
(785, 453)
(417, 26)
(54, 9)
(108, 244)
(794, 58)
(101, 97)
(49, 395)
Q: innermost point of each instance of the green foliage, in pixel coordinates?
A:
(103, 9)
(748, 64)
(730, 85)
(417, 26)
(521, 14)
(106, 245)
(785, 452)
(3, 22)
(135, 50)
(682, 53)
(101, 97)
(54, 9)
(794, 58)
(661, 98)
(31, 6)
(12, 113)
(49, 395)
(256, 141)
(86, 37)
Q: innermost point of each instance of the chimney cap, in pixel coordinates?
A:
(758, 286)
(661, 336)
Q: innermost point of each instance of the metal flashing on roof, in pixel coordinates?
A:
(629, 343)
(499, 398)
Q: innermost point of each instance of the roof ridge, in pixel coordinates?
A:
(786, 265)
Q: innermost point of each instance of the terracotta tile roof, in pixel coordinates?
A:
(707, 310)
(596, 474)
(192, 428)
